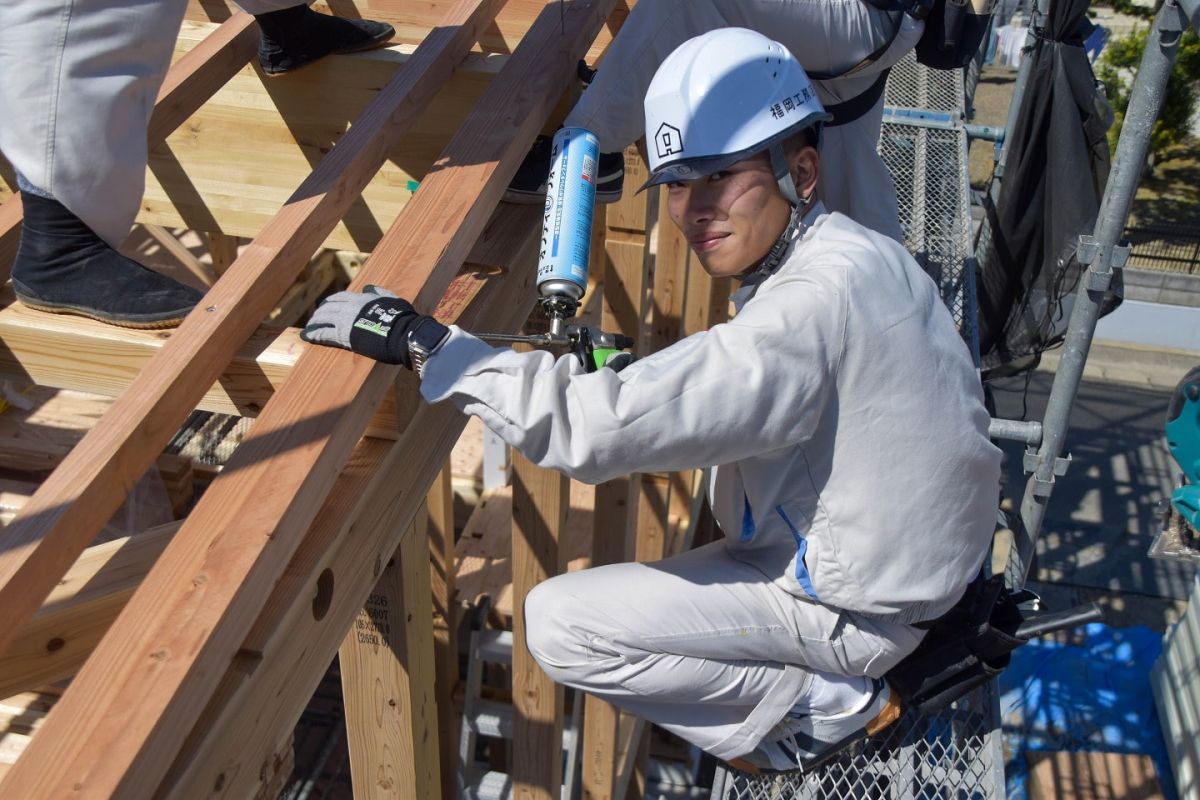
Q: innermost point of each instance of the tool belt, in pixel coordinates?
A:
(973, 642)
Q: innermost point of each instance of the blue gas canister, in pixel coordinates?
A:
(567, 221)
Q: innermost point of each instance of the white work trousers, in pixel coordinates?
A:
(78, 80)
(700, 644)
(826, 36)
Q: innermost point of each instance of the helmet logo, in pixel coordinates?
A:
(668, 141)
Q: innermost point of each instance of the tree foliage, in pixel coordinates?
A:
(1118, 64)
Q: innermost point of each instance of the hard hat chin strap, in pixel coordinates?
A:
(783, 174)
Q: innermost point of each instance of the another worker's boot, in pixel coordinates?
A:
(803, 741)
(293, 37)
(529, 184)
(63, 267)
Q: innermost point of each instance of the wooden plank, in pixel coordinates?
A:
(288, 650)
(387, 671)
(484, 552)
(166, 240)
(242, 154)
(87, 487)
(188, 84)
(412, 21)
(540, 501)
(625, 280)
(10, 234)
(75, 616)
(223, 250)
(66, 352)
(302, 296)
(440, 503)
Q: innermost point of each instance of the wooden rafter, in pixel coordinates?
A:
(88, 487)
(151, 676)
(288, 649)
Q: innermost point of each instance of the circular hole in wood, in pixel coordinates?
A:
(323, 596)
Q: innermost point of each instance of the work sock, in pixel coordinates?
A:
(529, 184)
(293, 37)
(64, 267)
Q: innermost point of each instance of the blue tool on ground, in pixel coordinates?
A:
(564, 252)
(1179, 538)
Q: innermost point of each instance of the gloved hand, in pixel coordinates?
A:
(374, 323)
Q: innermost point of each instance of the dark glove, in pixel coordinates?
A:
(374, 323)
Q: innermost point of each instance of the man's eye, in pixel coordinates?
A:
(674, 184)
(720, 175)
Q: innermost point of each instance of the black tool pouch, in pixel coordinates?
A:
(965, 648)
(973, 642)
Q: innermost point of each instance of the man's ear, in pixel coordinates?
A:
(805, 164)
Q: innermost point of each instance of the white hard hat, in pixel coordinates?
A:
(722, 97)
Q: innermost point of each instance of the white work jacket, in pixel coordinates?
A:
(840, 409)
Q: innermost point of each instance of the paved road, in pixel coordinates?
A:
(1101, 519)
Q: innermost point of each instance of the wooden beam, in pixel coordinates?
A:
(540, 501)
(84, 491)
(242, 154)
(626, 276)
(388, 681)
(440, 502)
(188, 84)
(288, 650)
(223, 250)
(10, 234)
(412, 21)
(75, 616)
(67, 352)
(194, 79)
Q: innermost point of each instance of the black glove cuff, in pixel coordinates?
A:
(381, 330)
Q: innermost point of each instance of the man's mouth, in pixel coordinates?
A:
(706, 241)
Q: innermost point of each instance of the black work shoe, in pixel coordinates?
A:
(528, 186)
(65, 268)
(293, 37)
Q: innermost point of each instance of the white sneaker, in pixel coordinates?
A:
(804, 742)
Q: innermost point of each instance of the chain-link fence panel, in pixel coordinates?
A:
(955, 754)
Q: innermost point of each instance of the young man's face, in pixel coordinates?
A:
(732, 218)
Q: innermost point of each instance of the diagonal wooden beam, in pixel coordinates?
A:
(189, 83)
(146, 684)
(287, 651)
(79, 611)
(87, 488)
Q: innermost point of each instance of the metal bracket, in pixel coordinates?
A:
(1088, 252)
(923, 118)
(1032, 462)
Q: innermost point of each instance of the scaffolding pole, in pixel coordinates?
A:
(1101, 252)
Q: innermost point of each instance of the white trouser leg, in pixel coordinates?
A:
(78, 79)
(700, 644)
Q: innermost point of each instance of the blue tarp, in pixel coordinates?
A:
(1094, 696)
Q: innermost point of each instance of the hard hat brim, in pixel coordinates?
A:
(690, 169)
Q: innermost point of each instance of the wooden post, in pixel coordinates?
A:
(626, 267)
(440, 502)
(387, 665)
(540, 501)
(223, 249)
(282, 659)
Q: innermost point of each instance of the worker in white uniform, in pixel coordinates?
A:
(78, 80)
(853, 476)
(830, 38)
